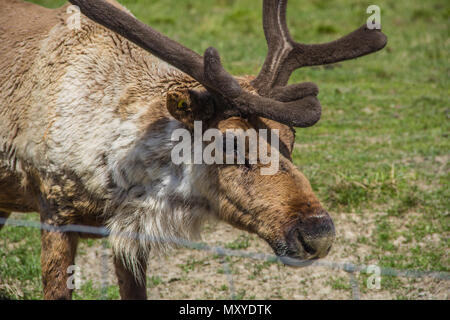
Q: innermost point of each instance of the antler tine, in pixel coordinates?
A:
(279, 44)
(213, 77)
(285, 55)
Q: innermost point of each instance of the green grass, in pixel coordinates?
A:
(339, 283)
(89, 291)
(382, 144)
(242, 242)
(20, 260)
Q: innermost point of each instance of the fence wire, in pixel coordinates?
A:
(350, 268)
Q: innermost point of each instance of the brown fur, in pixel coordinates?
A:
(62, 91)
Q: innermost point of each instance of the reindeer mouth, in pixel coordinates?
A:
(296, 262)
(291, 256)
(306, 241)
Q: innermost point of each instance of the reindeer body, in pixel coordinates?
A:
(83, 126)
(86, 123)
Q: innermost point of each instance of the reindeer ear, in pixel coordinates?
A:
(188, 106)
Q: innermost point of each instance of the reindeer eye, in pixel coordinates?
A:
(182, 104)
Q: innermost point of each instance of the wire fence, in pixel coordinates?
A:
(350, 268)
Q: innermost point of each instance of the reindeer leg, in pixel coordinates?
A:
(4, 215)
(130, 288)
(58, 253)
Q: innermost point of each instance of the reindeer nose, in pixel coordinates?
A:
(316, 234)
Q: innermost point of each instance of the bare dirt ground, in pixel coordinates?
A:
(194, 274)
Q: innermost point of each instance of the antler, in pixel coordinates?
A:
(294, 105)
(285, 55)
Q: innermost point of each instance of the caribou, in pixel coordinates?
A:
(86, 118)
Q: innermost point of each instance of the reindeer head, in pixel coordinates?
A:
(281, 207)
